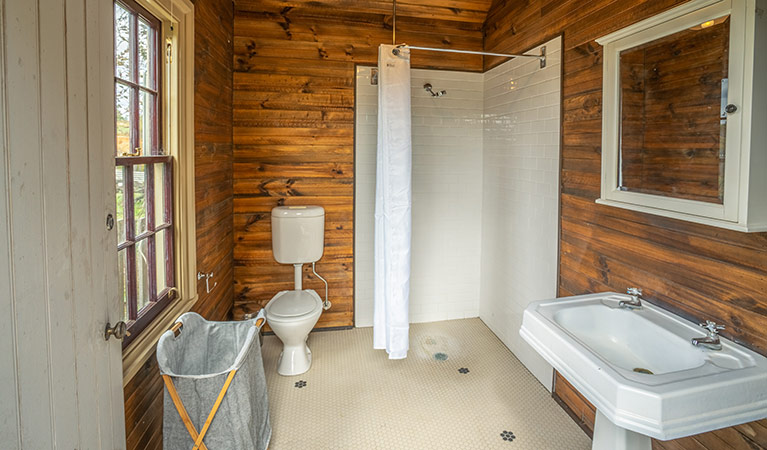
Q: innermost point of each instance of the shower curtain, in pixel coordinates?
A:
(392, 208)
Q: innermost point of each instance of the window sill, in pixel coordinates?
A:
(139, 351)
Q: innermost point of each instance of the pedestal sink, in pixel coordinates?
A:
(640, 370)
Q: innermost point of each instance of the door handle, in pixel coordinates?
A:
(119, 331)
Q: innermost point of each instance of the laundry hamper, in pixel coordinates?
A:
(215, 388)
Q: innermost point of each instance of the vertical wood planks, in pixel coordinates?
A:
(62, 378)
(56, 220)
(28, 253)
(9, 414)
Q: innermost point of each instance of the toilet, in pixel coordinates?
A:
(298, 238)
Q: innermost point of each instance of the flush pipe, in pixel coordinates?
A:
(298, 272)
(297, 276)
(326, 303)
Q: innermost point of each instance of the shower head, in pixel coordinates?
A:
(428, 88)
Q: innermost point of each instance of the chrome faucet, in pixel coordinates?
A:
(711, 341)
(636, 299)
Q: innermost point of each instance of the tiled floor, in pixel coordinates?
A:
(473, 395)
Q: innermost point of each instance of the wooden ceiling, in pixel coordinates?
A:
(470, 12)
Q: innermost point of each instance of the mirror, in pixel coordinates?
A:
(673, 113)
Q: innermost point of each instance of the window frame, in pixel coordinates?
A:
(177, 17)
(134, 84)
(149, 155)
(139, 319)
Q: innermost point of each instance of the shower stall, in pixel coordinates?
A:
(485, 192)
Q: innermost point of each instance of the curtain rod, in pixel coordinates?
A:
(541, 57)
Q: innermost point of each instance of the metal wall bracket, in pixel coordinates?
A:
(207, 277)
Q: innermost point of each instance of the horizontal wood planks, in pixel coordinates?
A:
(697, 271)
(470, 11)
(294, 66)
(214, 206)
(583, 411)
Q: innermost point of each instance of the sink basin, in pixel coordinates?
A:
(639, 369)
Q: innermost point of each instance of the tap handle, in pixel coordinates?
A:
(712, 327)
(634, 291)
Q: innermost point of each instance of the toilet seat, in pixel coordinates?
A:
(293, 305)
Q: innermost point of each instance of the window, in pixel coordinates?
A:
(143, 170)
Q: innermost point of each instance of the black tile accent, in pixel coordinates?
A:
(508, 436)
(300, 383)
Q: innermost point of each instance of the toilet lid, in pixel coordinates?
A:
(292, 303)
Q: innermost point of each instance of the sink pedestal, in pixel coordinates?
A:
(608, 436)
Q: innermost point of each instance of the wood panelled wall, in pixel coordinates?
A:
(294, 130)
(213, 185)
(696, 271)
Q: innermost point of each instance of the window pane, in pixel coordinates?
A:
(159, 197)
(146, 54)
(120, 189)
(142, 273)
(160, 247)
(122, 277)
(123, 27)
(122, 118)
(139, 198)
(146, 127)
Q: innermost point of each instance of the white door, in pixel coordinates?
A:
(60, 380)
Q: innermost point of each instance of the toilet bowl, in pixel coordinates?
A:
(292, 315)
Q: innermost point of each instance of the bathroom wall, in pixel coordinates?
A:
(698, 271)
(213, 186)
(520, 204)
(294, 125)
(447, 195)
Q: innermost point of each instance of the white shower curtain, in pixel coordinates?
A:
(393, 199)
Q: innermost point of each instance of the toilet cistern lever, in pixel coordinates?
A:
(207, 277)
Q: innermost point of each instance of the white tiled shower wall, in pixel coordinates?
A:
(485, 196)
(447, 196)
(520, 197)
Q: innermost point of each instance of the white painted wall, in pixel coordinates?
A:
(520, 197)
(447, 193)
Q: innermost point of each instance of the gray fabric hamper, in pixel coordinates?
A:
(198, 362)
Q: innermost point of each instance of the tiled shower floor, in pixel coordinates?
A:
(474, 394)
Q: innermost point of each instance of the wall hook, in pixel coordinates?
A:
(207, 277)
